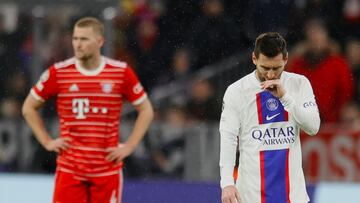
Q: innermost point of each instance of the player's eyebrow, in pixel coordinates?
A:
(266, 67)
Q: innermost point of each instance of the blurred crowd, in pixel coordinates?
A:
(168, 41)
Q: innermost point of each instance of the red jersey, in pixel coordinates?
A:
(89, 106)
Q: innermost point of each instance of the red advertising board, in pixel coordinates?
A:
(333, 154)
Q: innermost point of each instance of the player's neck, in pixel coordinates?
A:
(91, 63)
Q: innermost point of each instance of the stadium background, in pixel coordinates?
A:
(185, 52)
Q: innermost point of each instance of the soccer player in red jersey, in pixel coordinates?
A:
(90, 90)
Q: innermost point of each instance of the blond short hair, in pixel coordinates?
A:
(96, 24)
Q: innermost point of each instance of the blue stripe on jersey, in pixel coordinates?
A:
(270, 108)
(275, 176)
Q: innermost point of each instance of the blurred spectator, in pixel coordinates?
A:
(56, 44)
(267, 15)
(9, 114)
(177, 76)
(143, 41)
(180, 67)
(178, 15)
(173, 25)
(10, 46)
(318, 59)
(16, 85)
(341, 16)
(352, 51)
(10, 108)
(351, 16)
(122, 24)
(303, 10)
(203, 104)
(8, 148)
(168, 143)
(350, 116)
(213, 35)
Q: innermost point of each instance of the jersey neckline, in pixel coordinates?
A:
(87, 72)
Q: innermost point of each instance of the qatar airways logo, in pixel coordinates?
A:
(274, 136)
(82, 106)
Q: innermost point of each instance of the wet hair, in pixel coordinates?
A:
(91, 22)
(270, 44)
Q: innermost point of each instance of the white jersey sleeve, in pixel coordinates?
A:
(229, 129)
(304, 108)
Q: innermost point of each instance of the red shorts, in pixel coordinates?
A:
(70, 188)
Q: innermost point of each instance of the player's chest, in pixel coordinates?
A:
(265, 123)
(91, 98)
(90, 87)
(262, 108)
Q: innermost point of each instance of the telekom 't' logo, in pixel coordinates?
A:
(80, 106)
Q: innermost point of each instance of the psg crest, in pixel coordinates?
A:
(269, 108)
(272, 104)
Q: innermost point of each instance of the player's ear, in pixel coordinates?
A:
(286, 57)
(254, 59)
(101, 41)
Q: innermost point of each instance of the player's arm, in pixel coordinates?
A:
(303, 109)
(229, 125)
(142, 123)
(30, 111)
(228, 143)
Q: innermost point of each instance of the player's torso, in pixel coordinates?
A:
(268, 142)
(89, 98)
(265, 124)
(89, 108)
(89, 103)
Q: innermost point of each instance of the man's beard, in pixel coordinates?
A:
(84, 57)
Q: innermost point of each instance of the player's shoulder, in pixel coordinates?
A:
(240, 87)
(65, 63)
(294, 77)
(243, 83)
(115, 63)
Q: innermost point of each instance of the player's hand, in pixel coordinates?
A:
(274, 86)
(230, 194)
(58, 144)
(117, 154)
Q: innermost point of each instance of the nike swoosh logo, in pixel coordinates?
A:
(271, 117)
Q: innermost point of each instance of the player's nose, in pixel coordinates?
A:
(77, 44)
(271, 74)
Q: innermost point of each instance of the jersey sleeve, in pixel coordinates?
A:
(46, 86)
(303, 108)
(229, 117)
(229, 130)
(133, 90)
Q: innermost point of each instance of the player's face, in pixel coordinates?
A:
(86, 42)
(269, 68)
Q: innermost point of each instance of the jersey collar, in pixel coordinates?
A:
(87, 72)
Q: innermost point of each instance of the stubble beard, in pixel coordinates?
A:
(84, 57)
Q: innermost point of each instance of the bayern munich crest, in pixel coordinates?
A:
(107, 87)
(272, 104)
